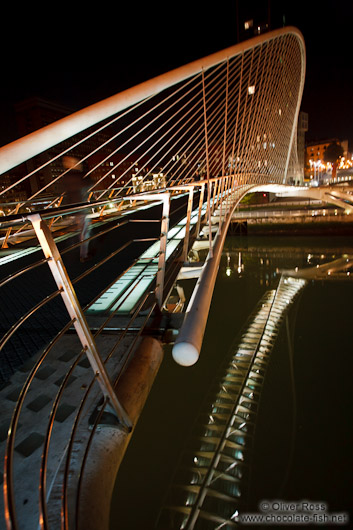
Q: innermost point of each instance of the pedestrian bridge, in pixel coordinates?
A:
(82, 341)
(340, 196)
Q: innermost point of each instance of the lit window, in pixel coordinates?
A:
(251, 89)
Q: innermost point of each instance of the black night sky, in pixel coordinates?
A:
(79, 55)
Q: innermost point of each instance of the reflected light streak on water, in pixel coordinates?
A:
(322, 369)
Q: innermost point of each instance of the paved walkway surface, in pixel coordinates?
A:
(33, 421)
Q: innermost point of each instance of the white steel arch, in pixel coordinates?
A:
(252, 94)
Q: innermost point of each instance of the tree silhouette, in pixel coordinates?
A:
(332, 153)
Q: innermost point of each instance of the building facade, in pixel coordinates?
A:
(316, 169)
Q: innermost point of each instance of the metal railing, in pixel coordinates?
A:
(329, 214)
(105, 370)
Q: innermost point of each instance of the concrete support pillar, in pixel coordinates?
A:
(110, 443)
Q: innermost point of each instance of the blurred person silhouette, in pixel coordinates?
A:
(75, 188)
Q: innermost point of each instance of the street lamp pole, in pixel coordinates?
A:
(318, 170)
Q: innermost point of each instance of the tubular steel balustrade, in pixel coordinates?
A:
(54, 258)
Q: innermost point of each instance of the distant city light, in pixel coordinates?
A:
(248, 24)
(345, 163)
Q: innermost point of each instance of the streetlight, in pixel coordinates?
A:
(318, 164)
(311, 167)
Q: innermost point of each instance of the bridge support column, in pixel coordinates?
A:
(110, 443)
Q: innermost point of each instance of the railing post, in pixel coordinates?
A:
(219, 192)
(221, 201)
(187, 226)
(74, 309)
(226, 195)
(202, 194)
(233, 188)
(209, 182)
(215, 189)
(163, 248)
(229, 186)
(8, 231)
(209, 194)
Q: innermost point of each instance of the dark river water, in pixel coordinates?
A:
(309, 459)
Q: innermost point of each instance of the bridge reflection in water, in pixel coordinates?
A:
(293, 434)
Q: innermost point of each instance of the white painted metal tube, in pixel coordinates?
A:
(31, 145)
(188, 344)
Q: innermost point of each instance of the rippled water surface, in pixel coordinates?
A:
(310, 458)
